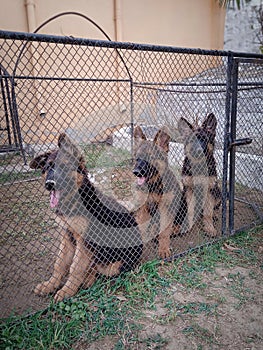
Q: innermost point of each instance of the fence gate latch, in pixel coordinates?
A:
(240, 142)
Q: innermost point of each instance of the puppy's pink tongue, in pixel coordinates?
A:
(54, 199)
(140, 180)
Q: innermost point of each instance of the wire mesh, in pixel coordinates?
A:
(248, 158)
(116, 156)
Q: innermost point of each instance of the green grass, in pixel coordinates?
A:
(200, 333)
(96, 156)
(102, 156)
(115, 307)
(10, 177)
(239, 291)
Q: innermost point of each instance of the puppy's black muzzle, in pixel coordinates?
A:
(50, 180)
(143, 168)
(198, 148)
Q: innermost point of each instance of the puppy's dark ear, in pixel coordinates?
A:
(138, 134)
(184, 127)
(162, 139)
(40, 161)
(61, 139)
(210, 123)
(67, 146)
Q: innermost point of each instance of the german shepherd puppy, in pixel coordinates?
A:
(199, 174)
(158, 191)
(98, 235)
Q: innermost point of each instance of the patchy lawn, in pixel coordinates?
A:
(210, 299)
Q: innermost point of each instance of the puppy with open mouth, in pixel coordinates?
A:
(97, 234)
(157, 187)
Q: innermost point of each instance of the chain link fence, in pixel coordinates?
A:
(113, 154)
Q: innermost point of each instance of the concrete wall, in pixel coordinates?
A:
(242, 28)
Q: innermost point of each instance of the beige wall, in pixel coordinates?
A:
(183, 23)
(191, 23)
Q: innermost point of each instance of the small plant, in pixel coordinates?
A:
(200, 333)
(238, 289)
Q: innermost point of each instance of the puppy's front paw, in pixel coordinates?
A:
(44, 288)
(65, 292)
(62, 294)
(164, 252)
(211, 231)
(112, 269)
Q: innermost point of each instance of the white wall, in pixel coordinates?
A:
(241, 28)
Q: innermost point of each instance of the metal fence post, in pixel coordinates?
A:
(232, 148)
(226, 143)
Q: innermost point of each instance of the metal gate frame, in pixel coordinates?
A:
(231, 142)
(11, 127)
